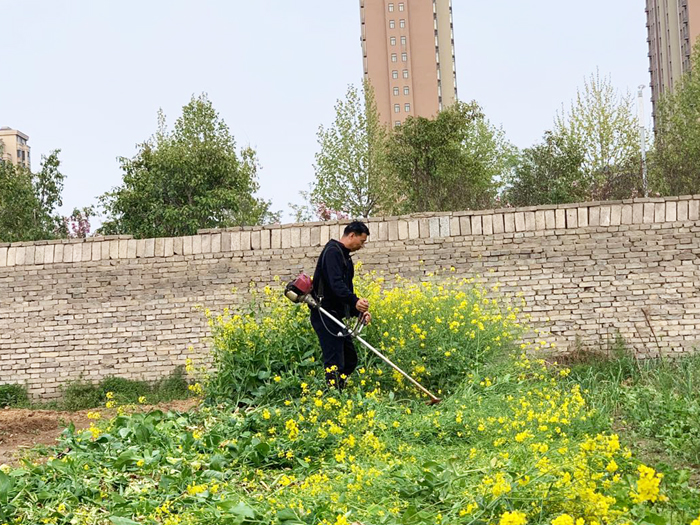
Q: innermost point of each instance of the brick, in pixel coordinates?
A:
(295, 237)
(77, 255)
(403, 230)
(637, 213)
(39, 254)
(509, 222)
(519, 221)
(12, 256)
(498, 225)
(265, 240)
(255, 240)
(3, 256)
(29, 252)
(550, 222)
(445, 226)
(693, 210)
(582, 216)
(206, 243)
(682, 211)
(424, 228)
(382, 232)
(594, 216)
(560, 218)
(659, 212)
(465, 225)
(325, 235)
(245, 240)
(236, 241)
(49, 251)
(571, 218)
(393, 227)
(178, 246)
(616, 215)
(196, 245)
(540, 220)
(169, 246)
(530, 221)
(433, 227)
(626, 214)
(476, 225)
(671, 209)
(276, 238)
(287, 238)
(648, 215)
(454, 226)
(487, 224)
(58, 252)
(215, 243)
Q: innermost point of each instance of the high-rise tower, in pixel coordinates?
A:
(409, 58)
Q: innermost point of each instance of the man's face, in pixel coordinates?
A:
(356, 241)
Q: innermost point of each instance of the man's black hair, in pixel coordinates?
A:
(356, 227)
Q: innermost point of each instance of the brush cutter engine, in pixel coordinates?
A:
(299, 290)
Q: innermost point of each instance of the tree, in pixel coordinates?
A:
(455, 161)
(352, 178)
(675, 163)
(187, 179)
(28, 201)
(548, 173)
(601, 125)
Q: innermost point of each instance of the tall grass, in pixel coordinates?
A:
(656, 399)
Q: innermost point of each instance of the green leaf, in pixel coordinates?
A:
(119, 520)
(6, 484)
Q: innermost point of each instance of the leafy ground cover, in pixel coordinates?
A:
(514, 442)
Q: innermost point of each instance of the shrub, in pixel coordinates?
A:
(13, 395)
(438, 331)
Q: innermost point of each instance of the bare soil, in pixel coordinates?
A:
(22, 429)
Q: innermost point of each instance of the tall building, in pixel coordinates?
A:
(14, 147)
(409, 57)
(673, 27)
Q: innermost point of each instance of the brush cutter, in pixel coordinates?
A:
(299, 291)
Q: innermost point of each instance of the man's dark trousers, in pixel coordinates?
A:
(337, 351)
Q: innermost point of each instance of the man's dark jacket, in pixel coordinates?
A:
(333, 280)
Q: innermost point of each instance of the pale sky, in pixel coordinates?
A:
(88, 77)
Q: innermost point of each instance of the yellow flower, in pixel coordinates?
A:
(648, 486)
(564, 519)
(513, 518)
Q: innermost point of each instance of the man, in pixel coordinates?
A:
(332, 286)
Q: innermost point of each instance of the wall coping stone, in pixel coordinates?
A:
(642, 212)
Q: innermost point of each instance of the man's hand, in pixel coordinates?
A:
(362, 305)
(366, 318)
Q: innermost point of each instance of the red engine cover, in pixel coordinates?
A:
(303, 283)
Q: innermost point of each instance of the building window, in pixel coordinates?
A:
(394, 58)
(394, 74)
(397, 108)
(391, 8)
(407, 107)
(397, 123)
(401, 6)
(405, 73)
(405, 90)
(404, 57)
(396, 91)
(403, 40)
(392, 40)
(392, 24)
(402, 23)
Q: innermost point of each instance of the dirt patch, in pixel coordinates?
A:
(22, 429)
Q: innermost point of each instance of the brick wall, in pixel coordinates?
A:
(119, 306)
